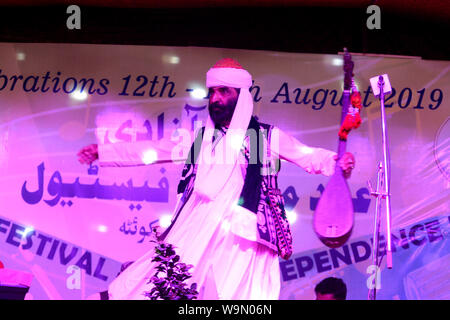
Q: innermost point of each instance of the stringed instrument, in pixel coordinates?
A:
(333, 217)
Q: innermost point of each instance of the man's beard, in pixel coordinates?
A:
(221, 114)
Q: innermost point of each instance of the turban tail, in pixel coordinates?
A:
(214, 172)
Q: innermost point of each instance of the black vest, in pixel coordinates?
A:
(251, 194)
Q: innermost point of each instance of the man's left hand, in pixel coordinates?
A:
(347, 163)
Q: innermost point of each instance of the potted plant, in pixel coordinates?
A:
(171, 274)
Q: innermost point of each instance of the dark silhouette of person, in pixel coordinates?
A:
(331, 289)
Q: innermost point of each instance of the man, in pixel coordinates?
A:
(229, 221)
(331, 289)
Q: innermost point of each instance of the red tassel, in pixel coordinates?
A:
(356, 100)
(352, 120)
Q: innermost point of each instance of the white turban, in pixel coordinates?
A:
(213, 175)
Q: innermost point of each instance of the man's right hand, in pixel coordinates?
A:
(88, 154)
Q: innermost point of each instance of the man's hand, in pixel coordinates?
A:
(347, 163)
(88, 154)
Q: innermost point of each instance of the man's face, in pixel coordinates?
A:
(325, 296)
(222, 102)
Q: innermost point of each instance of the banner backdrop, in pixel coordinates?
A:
(72, 226)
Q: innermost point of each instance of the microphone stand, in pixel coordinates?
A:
(382, 192)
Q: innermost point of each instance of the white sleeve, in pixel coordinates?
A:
(141, 153)
(312, 160)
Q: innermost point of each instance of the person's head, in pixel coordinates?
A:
(222, 103)
(331, 289)
(225, 82)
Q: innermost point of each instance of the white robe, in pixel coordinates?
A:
(219, 238)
